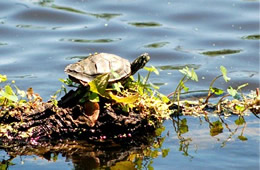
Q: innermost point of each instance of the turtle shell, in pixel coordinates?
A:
(87, 69)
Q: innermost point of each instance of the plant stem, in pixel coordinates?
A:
(178, 87)
(209, 91)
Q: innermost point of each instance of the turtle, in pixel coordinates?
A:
(89, 68)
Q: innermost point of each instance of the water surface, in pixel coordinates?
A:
(39, 38)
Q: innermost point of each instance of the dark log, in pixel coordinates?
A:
(69, 121)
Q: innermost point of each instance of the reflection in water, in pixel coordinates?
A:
(218, 126)
(90, 156)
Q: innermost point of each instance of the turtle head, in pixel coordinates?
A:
(139, 62)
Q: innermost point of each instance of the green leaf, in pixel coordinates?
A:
(216, 128)
(99, 84)
(22, 101)
(183, 126)
(164, 98)
(8, 96)
(152, 69)
(9, 90)
(240, 121)
(127, 100)
(242, 138)
(3, 78)
(154, 86)
(216, 91)
(20, 92)
(242, 86)
(233, 92)
(159, 130)
(191, 74)
(185, 71)
(117, 86)
(240, 108)
(194, 76)
(93, 97)
(165, 152)
(185, 88)
(123, 165)
(224, 73)
(2, 99)
(68, 81)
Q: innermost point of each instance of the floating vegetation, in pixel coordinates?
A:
(107, 16)
(76, 57)
(91, 41)
(221, 52)
(145, 24)
(68, 9)
(3, 43)
(156, 45)
(30, 26)
(252, 37)
(170, 67)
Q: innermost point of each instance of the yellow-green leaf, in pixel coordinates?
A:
(9, 94)
(93, 97)
(216, 91)
(183, 126)
(152, 69)
(242, 86)
(240, 121)
(164, 98)
(128, 100)
(216, 128)
(99, 84)
(194, 76)
(3, 78)
(233, 92)
(242, 138)
(127, 165)
(117, 86)
(224, 73)
(9, 90)
(20, 92)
